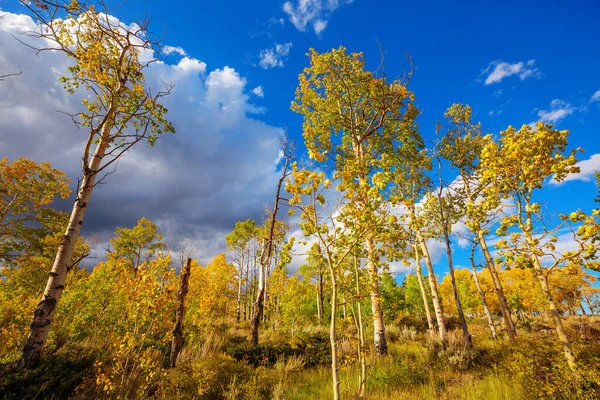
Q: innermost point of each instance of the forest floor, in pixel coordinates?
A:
(225, 366)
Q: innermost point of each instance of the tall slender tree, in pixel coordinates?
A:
(119, 113)
(352, 119)
(268, 241)
(517, 166)
(461, 144)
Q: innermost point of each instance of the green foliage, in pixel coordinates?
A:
(314, 349)
(57, 377)
(139, 244)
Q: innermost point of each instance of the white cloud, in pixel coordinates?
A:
(498, 70)
(258, 91)
(595, 96)
(191, 65)
(587, 169)
(190, 183)
(312, 13)
(274, 56)
(559, 110)
(174, 50)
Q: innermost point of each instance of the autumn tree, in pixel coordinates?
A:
(410, 184)
(331, 226)
(316, 268)
(212, 293)
(442, 212)
(482, 296)
(239, 242)
(30, 231)
(352, 119)
(137, 245)
(461, 145)
(268, 241)
(424, 292)
(517, 167)
(27, 189)
(119, 112)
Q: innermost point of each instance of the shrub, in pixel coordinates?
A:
(57, 377)
(539, 367)
(411, 321)
(218, 376)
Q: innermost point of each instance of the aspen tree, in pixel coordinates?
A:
(119, 113)
(328, 224)
(352, 119)
(269, 241)
(517, 167)
(461, 144)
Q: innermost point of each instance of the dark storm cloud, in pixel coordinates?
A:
(220, 166)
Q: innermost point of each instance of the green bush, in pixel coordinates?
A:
(313, 348)
(57, 377)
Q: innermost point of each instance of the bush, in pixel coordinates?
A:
(313, 348)
(412, 322)
(539, 367)
(218, 376)
(57, 377)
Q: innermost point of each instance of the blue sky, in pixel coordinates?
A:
(514, 62)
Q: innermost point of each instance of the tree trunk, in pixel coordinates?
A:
(461, 314)
(258, 307)
(44, 312)
(437, 307)
(238, 309)
(362, 356)
(267, 251)
(320, 309)
(502, 303)
(555, 314)
(486, 309)
(380, 342)
(177, 342)
(423, 291)
(335, 380)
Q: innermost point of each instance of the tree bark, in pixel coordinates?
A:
(502, 303)
(380, 342)
(267, 250)
(238, 309)
(555, 314)
(258, 307)
(320, 308)
(439, 317)
(423, 291)
(44, 312)
(335, 380)
(177, 342)
(461, 314)
(486, 309)
(362, 356)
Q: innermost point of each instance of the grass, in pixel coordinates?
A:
(224, 366)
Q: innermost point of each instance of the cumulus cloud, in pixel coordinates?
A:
(274, 56)
(312, 13)
(217, 169)
(587, 169)
(174, 50)
(559, 110)
(258, 91)
(595, 96)
(498, 70)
